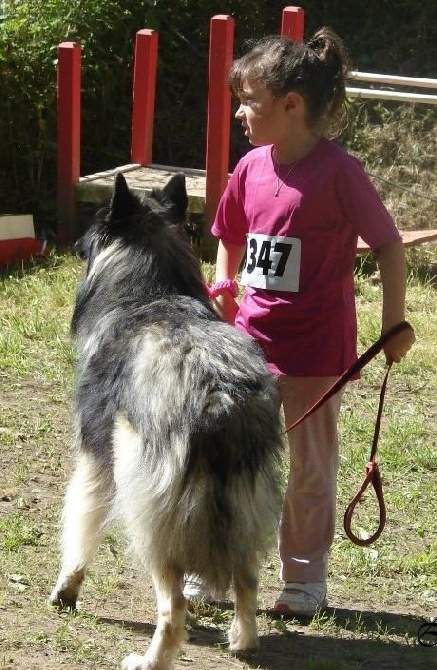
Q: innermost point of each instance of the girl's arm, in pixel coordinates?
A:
(229, 257)
(392, 268)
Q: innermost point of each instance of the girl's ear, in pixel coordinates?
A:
(294, 102)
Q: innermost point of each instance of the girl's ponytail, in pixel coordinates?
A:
(326, 49)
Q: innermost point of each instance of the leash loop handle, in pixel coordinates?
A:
(372, 477)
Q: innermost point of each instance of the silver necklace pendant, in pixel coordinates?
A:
(280, 182)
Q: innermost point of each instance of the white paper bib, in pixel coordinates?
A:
(272, 262)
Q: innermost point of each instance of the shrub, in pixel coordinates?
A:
(29, 35)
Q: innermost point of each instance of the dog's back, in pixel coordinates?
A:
(196, 446)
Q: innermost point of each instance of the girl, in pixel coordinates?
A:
(295, 205)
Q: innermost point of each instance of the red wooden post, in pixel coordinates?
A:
(221, 42)
(68, 135)
(293, 19)
(143, 108)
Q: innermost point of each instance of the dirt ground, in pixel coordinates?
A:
(357, 631)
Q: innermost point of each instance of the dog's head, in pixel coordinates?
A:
(132, 220)
(138, 249)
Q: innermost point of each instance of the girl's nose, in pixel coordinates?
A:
(239, 114)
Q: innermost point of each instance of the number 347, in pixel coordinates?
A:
(261, 258)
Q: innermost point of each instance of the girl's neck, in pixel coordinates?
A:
(295, 148)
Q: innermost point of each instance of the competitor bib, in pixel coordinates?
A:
(272, 262)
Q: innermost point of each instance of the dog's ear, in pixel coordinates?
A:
(82, 247)
(122, 201)
(175, 192)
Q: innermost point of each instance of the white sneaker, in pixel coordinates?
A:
(301, 598)
(195, 588)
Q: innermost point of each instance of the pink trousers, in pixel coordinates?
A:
(307, 524)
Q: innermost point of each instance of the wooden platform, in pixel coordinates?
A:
(98, 187)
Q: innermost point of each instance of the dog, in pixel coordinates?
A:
(177, 425)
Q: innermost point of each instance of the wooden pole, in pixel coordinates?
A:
(143, 107)
(219, 111)
(68, 137)
(293, 19)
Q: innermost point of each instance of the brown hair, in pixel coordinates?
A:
(317, 70)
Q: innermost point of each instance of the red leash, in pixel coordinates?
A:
(372, 471)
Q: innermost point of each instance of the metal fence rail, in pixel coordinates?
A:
(387, 80)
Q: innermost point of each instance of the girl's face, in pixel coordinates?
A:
(265, 119)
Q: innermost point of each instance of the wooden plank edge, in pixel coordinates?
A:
(94, 193)
(410, 238)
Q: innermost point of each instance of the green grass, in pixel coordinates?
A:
(15, 532)
(36, 305)
(378, 595)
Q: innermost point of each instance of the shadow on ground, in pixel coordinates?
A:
(356, 640)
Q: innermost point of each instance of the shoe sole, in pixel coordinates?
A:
(285, 610)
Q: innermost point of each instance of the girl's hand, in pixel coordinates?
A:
(399, 345)
(229, 257)
(226, 307)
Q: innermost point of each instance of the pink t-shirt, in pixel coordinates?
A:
(299, 301)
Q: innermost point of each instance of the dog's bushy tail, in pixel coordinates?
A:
(208, 497)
